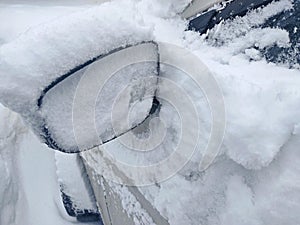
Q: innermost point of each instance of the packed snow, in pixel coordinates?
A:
(255, 178)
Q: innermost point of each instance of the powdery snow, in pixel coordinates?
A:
(42, 54)
(262, 103)
(255, 179)
(249, 182)
(29, 188)
(164, 9)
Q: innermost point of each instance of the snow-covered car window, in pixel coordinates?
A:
(277, 23)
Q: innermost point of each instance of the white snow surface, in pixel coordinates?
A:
(29, 188)
(255, 179)
(133, 87)
(71, 173)
(164, 9)
(10, 191)
(43, 53)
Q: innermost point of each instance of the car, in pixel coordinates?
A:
(78, 88)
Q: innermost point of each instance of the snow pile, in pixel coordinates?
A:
(25, 21)
(262, 110)
(270, 196)
(258, 123)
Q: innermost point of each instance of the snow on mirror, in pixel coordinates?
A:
(78, 110)
(81, 54)
(189, 103)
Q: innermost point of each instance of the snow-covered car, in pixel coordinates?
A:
(217, 32)
(120, 90)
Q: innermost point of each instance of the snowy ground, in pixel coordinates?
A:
(255, 179)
